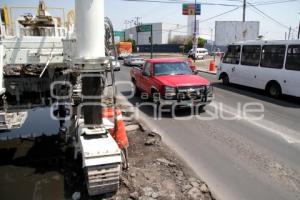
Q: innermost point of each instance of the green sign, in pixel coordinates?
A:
(144, 28)
(120, 35)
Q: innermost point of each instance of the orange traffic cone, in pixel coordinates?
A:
(212, 66)
(116, 129)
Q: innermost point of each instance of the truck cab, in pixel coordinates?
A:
(170, 81)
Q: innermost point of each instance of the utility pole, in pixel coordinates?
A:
(151, 40)
(137, 25)
(195, 33)
(126, 23)
(289, 36)
(211, 38)
(244, 10)
(299, 31)
(285, 35)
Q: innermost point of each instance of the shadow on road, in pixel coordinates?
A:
(285, 100)
(150, 110)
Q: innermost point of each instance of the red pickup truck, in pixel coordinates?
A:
(170, 81)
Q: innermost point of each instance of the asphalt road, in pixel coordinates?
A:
(241, 158)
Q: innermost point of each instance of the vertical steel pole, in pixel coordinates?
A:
(151, 40)
(299, 31)
(195, 33)
(137, 36)
(244, 11)
(285, 35)
(195, 28)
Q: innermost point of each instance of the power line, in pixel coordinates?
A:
(272, 2)
(268, 16)
(210, 18)
(180, 2)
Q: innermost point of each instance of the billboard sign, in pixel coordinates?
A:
(228, 32)
(191, 9)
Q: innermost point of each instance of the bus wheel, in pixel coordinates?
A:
(274, 89)
(225, 79)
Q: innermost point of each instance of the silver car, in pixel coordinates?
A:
(134, 60)
(115, 64)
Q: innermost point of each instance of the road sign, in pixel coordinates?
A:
(191, 9)
(119, 36)
(144, 28)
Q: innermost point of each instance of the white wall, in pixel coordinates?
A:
(162, 33)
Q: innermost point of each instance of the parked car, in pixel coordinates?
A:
(200, 53)
(134, 60)
(116, 64)
(168, 81)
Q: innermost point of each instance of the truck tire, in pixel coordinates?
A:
(273, 89)
(225, 80)
(137, 91)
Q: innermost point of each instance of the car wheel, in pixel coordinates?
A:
(274, 90)
(137, 91)
(225, 80)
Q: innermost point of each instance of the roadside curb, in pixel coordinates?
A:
(207, 72)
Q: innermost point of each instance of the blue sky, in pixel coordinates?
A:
(119, 11)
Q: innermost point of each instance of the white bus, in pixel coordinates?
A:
(273, 66)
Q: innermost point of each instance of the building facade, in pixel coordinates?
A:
(162, 34)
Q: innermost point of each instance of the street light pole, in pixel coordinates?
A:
(244, 11)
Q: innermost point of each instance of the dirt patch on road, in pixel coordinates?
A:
(156, 172)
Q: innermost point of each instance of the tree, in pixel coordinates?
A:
(189, 44)
(133, 44)
(179, 39)
(201, 42)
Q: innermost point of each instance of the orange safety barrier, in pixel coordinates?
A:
(212, 66)
(118, 132)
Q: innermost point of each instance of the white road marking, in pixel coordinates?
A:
(289, 135)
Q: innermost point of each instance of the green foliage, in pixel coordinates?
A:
(201, 42)
(133, 44)
(189, 43)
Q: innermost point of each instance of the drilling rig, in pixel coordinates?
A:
(86, 53)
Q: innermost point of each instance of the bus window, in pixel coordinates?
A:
(251, 55)
(232, 55)
(273, 56)
(293, 58)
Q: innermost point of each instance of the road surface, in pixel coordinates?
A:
(241, 158)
